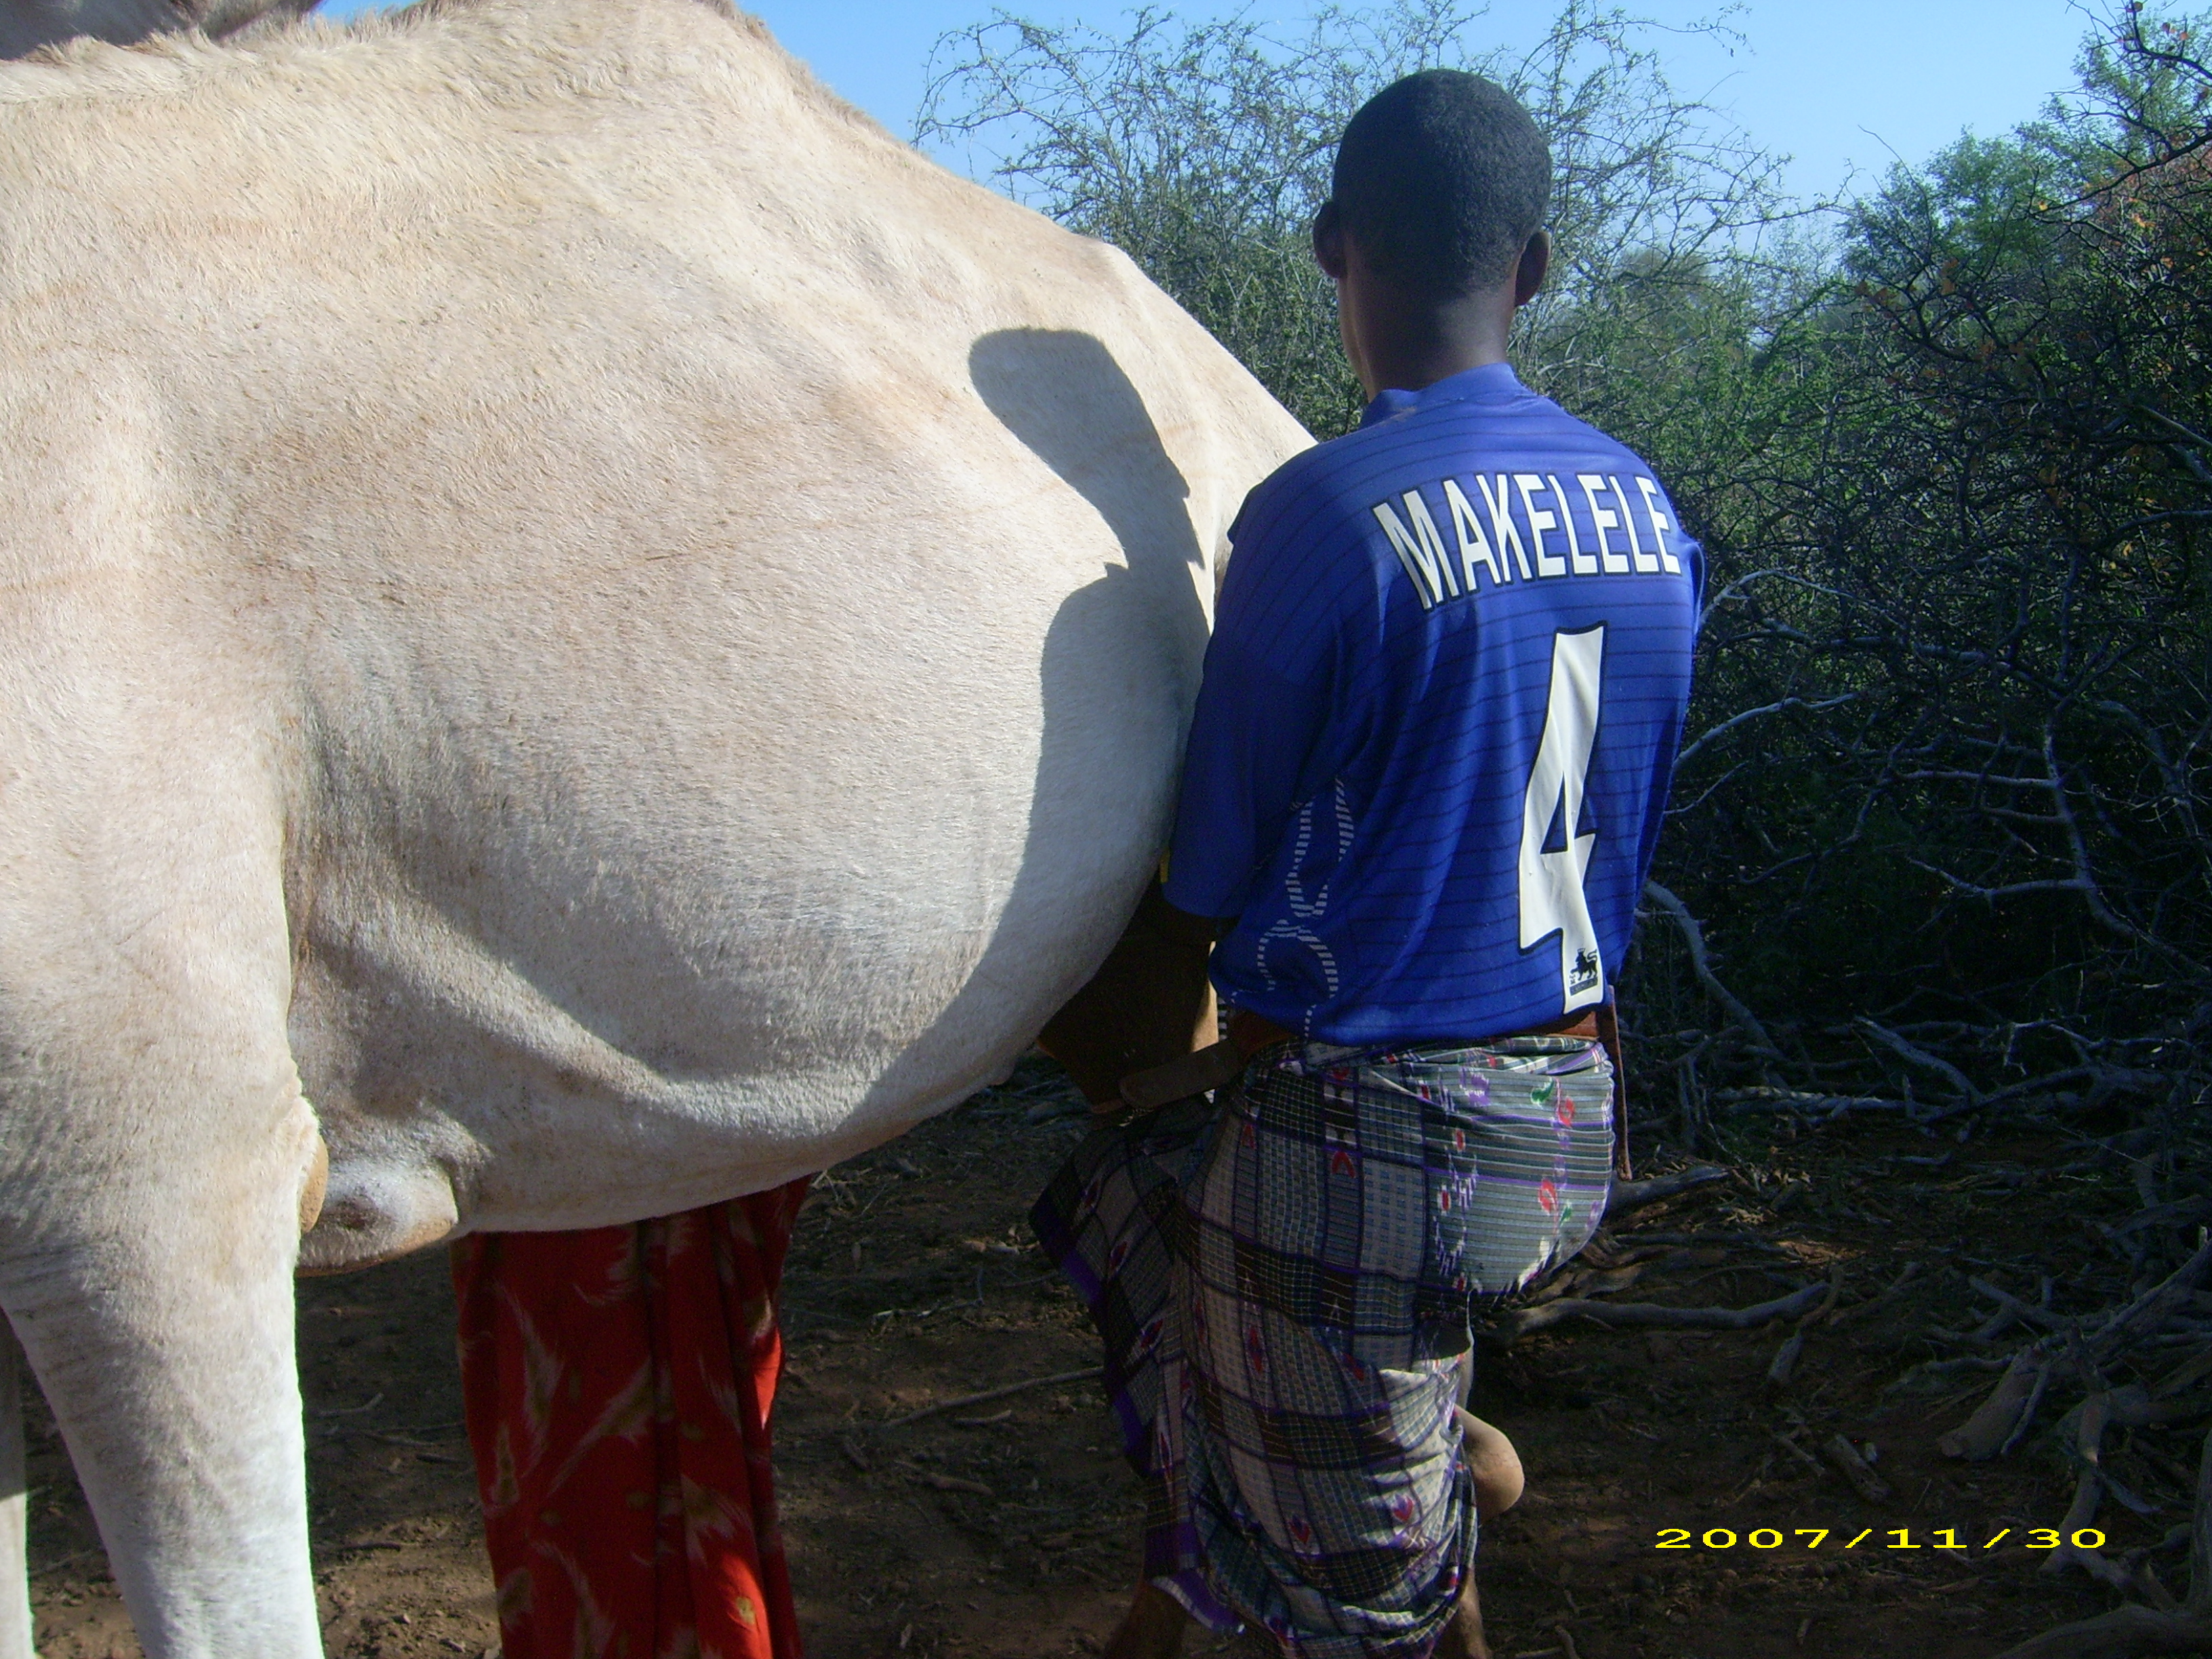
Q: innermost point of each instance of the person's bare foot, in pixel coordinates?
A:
(1493, 1466)
(1153, 1627)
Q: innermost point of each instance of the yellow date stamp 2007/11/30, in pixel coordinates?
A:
(1901, 1537)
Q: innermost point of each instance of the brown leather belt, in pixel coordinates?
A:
(1249, 1034)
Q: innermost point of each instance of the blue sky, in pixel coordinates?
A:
(1840, 85)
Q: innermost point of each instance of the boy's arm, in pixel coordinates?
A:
(1148, 1004)
(1253, 740)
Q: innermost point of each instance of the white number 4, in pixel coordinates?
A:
(1551, 898)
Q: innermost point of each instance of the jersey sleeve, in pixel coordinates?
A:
(1263, 706)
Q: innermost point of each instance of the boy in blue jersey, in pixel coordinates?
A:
(1428, 765)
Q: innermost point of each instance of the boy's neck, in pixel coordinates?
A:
(1404, 342)
(1400, 337)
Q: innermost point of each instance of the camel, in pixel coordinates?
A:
(582, 633)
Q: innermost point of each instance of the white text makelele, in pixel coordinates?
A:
(1619, 548)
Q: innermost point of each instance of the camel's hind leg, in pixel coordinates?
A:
(15, 1563)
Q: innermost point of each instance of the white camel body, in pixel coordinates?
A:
(573, 617)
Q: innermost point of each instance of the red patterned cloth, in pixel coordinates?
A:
(617, 1385)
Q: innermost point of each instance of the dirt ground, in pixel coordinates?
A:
(1009, 1529)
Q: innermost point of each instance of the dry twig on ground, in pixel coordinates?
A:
(1855, 1469)
(1630, 1195)
(1521, 1322)
(959, 1400)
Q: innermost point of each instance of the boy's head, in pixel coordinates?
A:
(1441, 181)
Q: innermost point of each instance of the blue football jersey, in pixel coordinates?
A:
(1432, 750)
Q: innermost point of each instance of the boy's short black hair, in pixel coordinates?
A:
(1442, 178)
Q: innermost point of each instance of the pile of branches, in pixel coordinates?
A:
(2163, 1335)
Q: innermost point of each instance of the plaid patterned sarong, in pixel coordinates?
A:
(1283, 1282)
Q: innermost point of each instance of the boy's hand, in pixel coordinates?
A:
(1149, 1003)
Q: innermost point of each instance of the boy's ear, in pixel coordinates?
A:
(1328, 240)
(1535, 264)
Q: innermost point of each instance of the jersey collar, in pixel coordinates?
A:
(1488, 381)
